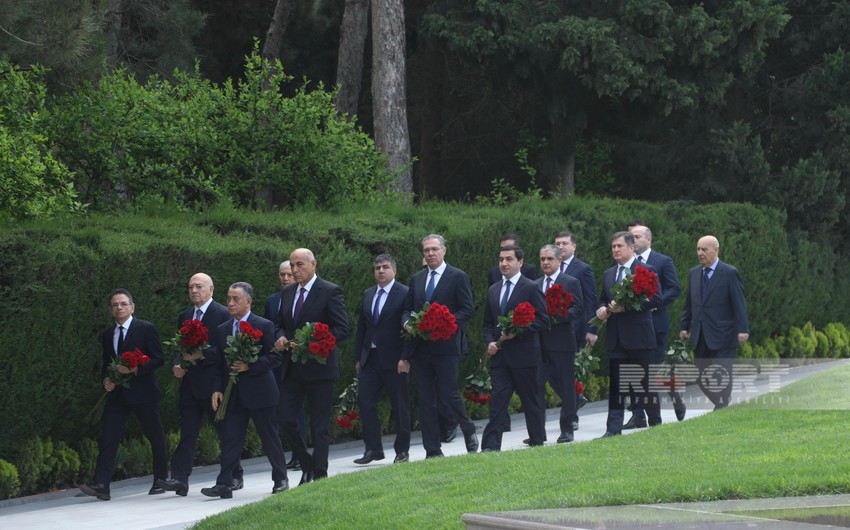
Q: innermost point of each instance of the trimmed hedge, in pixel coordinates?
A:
(55, 277)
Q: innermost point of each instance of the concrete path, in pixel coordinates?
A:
(131, 507)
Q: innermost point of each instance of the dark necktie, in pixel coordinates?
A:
(705, 279)
(503, 307)
(563, 267)
(548, 283)
(640, 259)
(120, 348)
(432, 284)
(376, 311)
(198, 314)
(620, 273)
(298, 304)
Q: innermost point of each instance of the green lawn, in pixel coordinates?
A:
(797, 444)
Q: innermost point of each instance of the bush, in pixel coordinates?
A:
(253, 444)
(88, 450)
(30, 462)
(209, 448)
(134, 457)
(61, 465)
(10, 484)
(839, 339)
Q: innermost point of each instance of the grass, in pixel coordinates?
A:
(748, 451)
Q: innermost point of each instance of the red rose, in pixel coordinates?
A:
(579, 387)
(644, 282)
(523, 315)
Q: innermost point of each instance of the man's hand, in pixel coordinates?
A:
(613, 307)
(240, 366)
(280, 344)
(215, 401)
(742, 337)
(591, 338)
(602, 313)
(492, 348)
(404, 367)
(193, 357)
(121, 369)
(357, 368)
(178, 371)
(684, 334)
(108, 385)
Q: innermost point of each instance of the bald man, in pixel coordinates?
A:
(715, 320)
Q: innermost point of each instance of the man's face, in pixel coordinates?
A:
(549, 263)
(200, 289)
(433, 252)
(508, 264)
(303, 268)
(238, 303)
(384, 273)
(568, 248)
(121, 307)
(642, 240)
(621, 251)
(285, 276)
(707, 251)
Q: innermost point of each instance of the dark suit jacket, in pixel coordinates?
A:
(325, 304)
(628, 330)
(528, 270)
(386, 333)
(723, 314)
(453, 291)
(143, 335)
(562, 336)
(256, 387)
(583, 272)
(523, 350)
(670, 289)
(273, 307)
(198, 381)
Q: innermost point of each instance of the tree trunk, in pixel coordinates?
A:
(564, 140)
(349, 67)
(389, 87)
(277, 28)
(114, 14)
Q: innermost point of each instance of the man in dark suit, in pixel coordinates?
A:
(578, 269)
(310, 299)
(715, 320)
(435, 363)
(670, 290)
(378, 361)
(630, 337)
(196, 386)
(494, 275)
(559, 341)
(515, 364)
(254, 396)
(141, 398)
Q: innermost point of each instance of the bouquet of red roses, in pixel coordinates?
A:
(130, 359)
(434, 322)
(517, 321)
(585, 364)
(632, 292)
(479, 388)
(558, 302)
(245, 347)
(190, 339)
(313, 341)
(347, 413)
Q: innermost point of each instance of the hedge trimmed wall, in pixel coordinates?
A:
(55, 277)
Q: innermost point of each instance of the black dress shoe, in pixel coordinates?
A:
(219, 490)
(96, 490)
(527, 441)
(293, 464)
(471, 443)
(238, 483)
(280, 485)
(635, 422)
(401, 457)
(449, 435)
(434, 455)
(609, 434)
(170, 484)
(580, 401)
(680, 409)
(306, 476)
(369, 456)
(566, 437)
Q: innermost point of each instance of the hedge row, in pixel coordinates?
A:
(55, 277)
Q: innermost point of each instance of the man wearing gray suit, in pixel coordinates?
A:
(715, 320)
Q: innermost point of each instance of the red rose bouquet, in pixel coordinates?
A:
(190, 339)
(632, 292)
(434, 322)
(245, 347)
(558, 302)
(585, 363)
(313, 341)
(517, 321)
(130, 359)
(347, 412)
(478, 387)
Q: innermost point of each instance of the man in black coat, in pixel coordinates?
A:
(310, 299)
(494, 275)
(378, 361)
(142, 398)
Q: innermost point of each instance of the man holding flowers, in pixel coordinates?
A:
(514, 315)
(141, 396)
(245, 389)
(630, 291)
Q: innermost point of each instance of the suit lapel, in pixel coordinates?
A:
(369, 300)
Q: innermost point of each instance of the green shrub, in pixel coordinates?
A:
(60, 466)
(800, 344)
(30, 462)
(253, 445)
(839, 339)
(10, 484)
(209, 448)
(134, 457)
(172, 438)
(88, 450)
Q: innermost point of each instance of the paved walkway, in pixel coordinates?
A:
(131, 505)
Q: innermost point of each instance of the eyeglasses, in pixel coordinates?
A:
(119, 304)
(431, 250)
